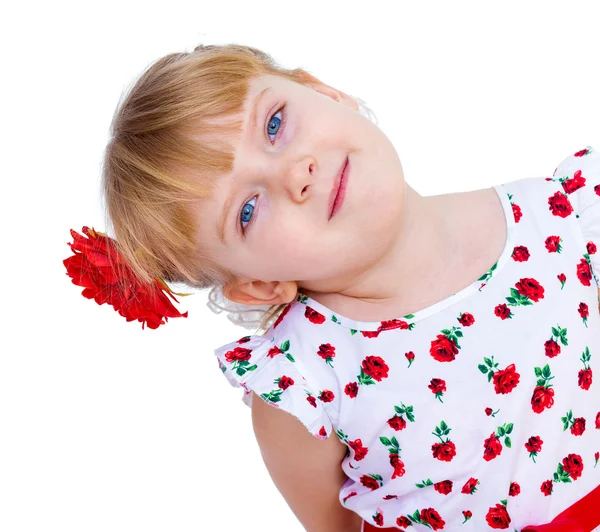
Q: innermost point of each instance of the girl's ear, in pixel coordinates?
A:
(261, 292)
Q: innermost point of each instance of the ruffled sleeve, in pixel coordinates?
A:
(579, 174)
(258, 364)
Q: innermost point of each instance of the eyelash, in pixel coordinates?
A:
(281, 110)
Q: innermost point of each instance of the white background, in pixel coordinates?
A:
(105, 426)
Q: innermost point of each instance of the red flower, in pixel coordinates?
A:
(326, 352)
(514, 489)
(551, 348)
(591, 248)
(520, 254)
(584, 378)
(573, 465)
(313, 316)
(466, 319)
(311, 399)
(506, 380)
(546, 487)
(488, 411)
(444, 451)
(516, 212)
(534, 444)
(574, 183)
(397, 464)
(470, 486)
(443, 349)
(432, 518)
(598, 420)
(99, 267)
(375, 367)
(502, 311)
(584, 274)
(404, 522)
(542, 398)
(497, 517)
(530, 288)
(369, 482)
(351, 389)
(492, 448)
(326, 396)
(359, 451)
(444, 487)
(378, 518)
(437, 386)
(560, 205)
(285, 382)
(397, 422)
(552, 243)
(238, 353)
(578, 427)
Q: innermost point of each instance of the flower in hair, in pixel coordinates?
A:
(99, 267)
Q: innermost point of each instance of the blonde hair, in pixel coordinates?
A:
(166, 152)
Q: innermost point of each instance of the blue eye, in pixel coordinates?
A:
(278, 123)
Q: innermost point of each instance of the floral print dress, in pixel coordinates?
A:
(480, 412)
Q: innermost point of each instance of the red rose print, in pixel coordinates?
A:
(506, 380)
(546, 487)
(466, 319)
(574, 183)
(438, 387)
(542, 397)
(584, 378)
(410, 356)
(573, 465)
(375, 367)
(444, 487)
(397, 422)
(584, 311)
(443, 349)
(578, 427)
(370, 481)
(584, 273)
(492, 447)
(274, 351)
(322, 432)
(520, 254)
(378, 518)
(562, 278)
(404, 522)
(470, 486)
(560, 205)
(516, 212)
(497, 517)
(432, 518)
(285, 382)
(444, 451)
(359, 451)
(397, 464)
(553, 244)
(551, 348)
(467, 514)
(313, 316)
(388, 325)
(311, 399)
(326, 396)
(530, 288)
(239, 354)
(598, 420)
(351, 389)
(326, 352)
(488, 411)
(514, 489)
(534, 446)
(502, 311)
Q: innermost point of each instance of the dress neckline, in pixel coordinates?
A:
(477, 285)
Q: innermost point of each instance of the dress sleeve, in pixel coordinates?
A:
(259, 365)
(579, 174)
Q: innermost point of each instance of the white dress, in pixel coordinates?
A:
(479, 412)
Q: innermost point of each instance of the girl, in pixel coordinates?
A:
(426, 363)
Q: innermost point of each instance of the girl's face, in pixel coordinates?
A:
(286, 163)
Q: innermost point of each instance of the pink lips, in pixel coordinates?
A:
(336, 197)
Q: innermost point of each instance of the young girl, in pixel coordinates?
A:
(427, 362)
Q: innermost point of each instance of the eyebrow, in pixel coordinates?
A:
(222, 221)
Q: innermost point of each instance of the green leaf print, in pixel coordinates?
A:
(507, 442)
(424, 483)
